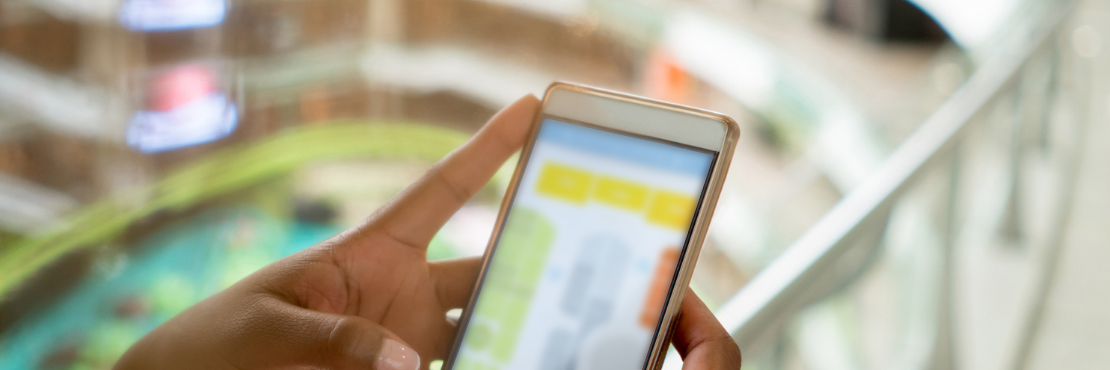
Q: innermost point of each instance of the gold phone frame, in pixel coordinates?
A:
(687, 261)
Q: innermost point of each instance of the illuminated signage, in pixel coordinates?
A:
(169, 15)
(184, 107)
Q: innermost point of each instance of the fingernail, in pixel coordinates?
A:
(397, 356)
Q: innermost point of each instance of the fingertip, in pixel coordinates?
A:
(696, 324)
(524, 106)
(513, 122)
(691, 302)
(528, 98)
(395, 355)
(702, 340)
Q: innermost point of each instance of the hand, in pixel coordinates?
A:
(701, 340)
(368, 298)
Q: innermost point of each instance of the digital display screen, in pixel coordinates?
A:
(184, 106)
(170, 15)
(587, 254)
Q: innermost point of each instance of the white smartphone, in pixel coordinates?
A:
(597, 236)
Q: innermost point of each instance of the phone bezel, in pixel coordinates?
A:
(634, 116)
(628, 114)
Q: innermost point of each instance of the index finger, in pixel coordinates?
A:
(414, 216)
(701, 340)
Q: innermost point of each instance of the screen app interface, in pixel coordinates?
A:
(587, 254)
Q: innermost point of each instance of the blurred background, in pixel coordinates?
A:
(919, 183)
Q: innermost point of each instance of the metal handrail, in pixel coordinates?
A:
(780, 288)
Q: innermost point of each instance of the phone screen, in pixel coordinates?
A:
(588, 252)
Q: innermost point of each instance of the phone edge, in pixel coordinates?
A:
(714, 185)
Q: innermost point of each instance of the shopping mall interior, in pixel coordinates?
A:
(915, 186)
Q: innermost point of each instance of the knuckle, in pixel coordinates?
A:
(343, 339)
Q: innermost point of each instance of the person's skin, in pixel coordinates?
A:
(368, 298)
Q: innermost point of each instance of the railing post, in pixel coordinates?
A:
(1012, 224)
(944, 351)
(1030, 327)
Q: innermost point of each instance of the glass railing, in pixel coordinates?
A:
(892, 277)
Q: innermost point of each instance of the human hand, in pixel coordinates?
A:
(366, 298)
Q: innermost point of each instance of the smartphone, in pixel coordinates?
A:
(598, 235)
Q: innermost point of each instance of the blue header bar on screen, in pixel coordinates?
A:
(640, 151)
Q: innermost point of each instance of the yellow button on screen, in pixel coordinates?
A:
(563, 182)
(620, 193)
(671, 210)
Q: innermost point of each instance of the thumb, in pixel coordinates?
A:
(334, 341)
(356, 343)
